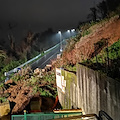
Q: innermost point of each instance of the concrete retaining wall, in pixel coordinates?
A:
(67, 99)
(91, 91)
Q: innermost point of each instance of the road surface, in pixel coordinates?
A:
(46, 59)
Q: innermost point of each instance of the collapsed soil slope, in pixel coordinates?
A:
(26, 85)
(109, 30)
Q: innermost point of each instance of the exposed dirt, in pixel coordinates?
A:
(20, 92)
(109, 30)
(20, 95)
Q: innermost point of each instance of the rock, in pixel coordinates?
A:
(4, 109)
(48, 67)
(37, 71)
(43, 70)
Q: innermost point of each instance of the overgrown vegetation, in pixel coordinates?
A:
(107, 61)
(8, 67)
(102, 58)
(86, 32)
(43, 83)
(70, 68)
(71, 42)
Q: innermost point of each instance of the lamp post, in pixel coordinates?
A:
(73, 30)
(68, 31)
(59, 32)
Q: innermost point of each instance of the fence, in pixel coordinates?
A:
(44, 116)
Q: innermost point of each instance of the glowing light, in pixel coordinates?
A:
(68, 30)
(59, 32)
(73, 30)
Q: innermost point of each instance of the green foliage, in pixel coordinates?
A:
(45, 93)
(10, 66)
(3, 99)
(107, 60)
(93, 23)
(43, 85)
(114, 50)
(34, 53)
(2, 85)
(23, 74)
(2, 77)
(86, 32)
(49, 77)
(17, 77)
(33, 80)
(71, 43)
(35, 89)
(85, 26)
(3, 56)
(70, 68)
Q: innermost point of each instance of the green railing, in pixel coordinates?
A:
(44, 116)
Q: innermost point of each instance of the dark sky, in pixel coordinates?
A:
(57, 14)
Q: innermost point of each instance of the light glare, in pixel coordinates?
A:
(73, 30)
(59, 32)
(68, 30)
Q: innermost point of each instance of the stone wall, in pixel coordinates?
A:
(91, 91)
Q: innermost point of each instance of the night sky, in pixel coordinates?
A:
(57, 14)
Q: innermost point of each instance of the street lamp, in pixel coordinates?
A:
(59, 32)
(73, 30)
(68, 31)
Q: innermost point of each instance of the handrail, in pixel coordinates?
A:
(11, 71)
(88, 116)
(43, 116)
(61, 116)
(103, 113)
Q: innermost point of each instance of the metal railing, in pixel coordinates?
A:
(14, 70)
(102, 113)
(44, 116)
(7, 74)
(63, 116)
(89, 117)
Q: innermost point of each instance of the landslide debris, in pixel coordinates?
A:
(96, 47)
(83, 49)
(26, 84)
